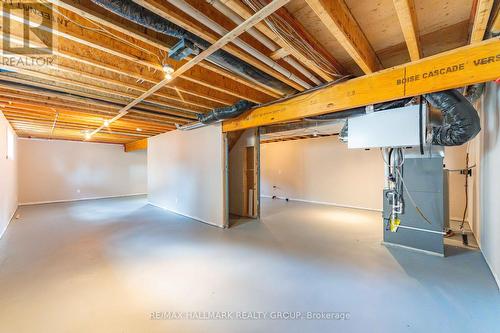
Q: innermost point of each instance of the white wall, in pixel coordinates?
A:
(323, 170)
(8, 177)
(53, 170)
(237, 167)
(454, 158)
(488, 197)
(186, 173)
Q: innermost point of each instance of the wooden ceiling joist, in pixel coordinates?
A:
(337, 18)
(224, 40)
(122, 53)
(55, 101)
(244, 12)
(136, 145)
(172, 14)
(481, 17)
(407, 16)
(99, 99)
(103, 62)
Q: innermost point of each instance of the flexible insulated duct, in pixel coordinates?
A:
(226, 112)
(460, 120)
(144, 17)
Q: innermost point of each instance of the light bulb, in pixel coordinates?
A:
(168, 76)
(106, 123)
(138, 129)
(88, 136)
(168, 69)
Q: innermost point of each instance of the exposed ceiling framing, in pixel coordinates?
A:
(103, 62)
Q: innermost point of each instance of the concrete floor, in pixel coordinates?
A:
(104, 266)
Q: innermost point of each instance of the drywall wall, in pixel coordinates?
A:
(323, 170)
(186, 173)
(454, 159)
(8, 174)
(238, 199)
(488, 196)
(52, 170)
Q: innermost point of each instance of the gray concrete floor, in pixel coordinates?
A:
(104, 266)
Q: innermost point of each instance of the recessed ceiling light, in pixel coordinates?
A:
(138, 129)
(106, 123)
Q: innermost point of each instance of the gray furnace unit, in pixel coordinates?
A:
(427, 186)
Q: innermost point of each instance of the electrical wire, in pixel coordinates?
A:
(294, 40)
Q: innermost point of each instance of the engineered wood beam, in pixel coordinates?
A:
(476, 63)
(481, 17)
(407, 16)
(338, 19)
(136, 145)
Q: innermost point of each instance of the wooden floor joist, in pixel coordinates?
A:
(136, 145)
(467, 65)
(409, 25)
(224, 40)
(338, 19)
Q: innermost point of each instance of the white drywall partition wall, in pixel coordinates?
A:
(489, 188)
(454, 159)
(238, 199)
(53, 170)
(186, 173)
(8, 173)
(323, 170)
